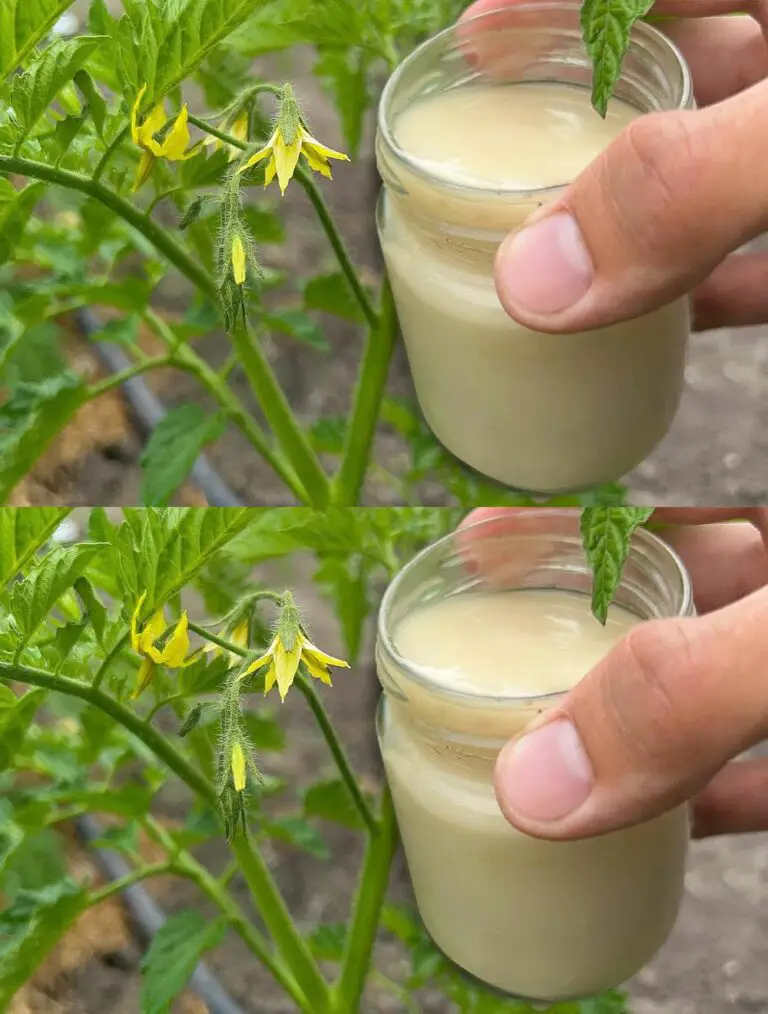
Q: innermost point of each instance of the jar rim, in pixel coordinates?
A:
(386, 133)
(386, 643)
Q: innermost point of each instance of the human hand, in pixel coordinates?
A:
(662, 210)
(660, 720)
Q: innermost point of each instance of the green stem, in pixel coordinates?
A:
(324, 215)
(101, 165)
(371, 892)
(187, 359)
(265, 893)
(339, 248)
(326, 726)
(338, 752)
(280, 416)
(116, 379)
(369, 392)
(119, 885)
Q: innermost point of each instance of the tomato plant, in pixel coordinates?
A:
(133, 156)
(138, 658)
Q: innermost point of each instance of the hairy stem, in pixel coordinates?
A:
(366, 408)
(304, 177)
(263, 888)
(371, 892)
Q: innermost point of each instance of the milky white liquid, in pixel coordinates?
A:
(537, 919)
(535, 411)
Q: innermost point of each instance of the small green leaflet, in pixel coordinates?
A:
(607, 533)
(172, 450)
(33, 91)
(173, 955)
(30, 927)
(15, 213)
(23, 530)
(607, 25)
(24, 23)
(331, 801)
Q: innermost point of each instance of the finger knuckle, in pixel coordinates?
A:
(646, 701)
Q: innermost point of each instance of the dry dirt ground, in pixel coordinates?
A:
(715, 962)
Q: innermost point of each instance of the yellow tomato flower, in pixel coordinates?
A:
(283, 661)
(238, 260)
(289, 141)
(174, 146)
(144, 642)
(238, 767)
(238, 130)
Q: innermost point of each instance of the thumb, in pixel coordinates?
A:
(646, 729)
(646, 222)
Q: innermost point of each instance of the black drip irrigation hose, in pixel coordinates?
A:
(145, 915)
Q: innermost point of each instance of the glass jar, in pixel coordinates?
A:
(535, 919)
(539, 412)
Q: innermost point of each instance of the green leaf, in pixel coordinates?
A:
(121, 838)
(24, 23)
(332, 294)
(327, 941)
(11, 835)
(30, 419)
(119, 331)
(33, 91)
(331, 801)
(607, 25)
(173, 448)
(345, 76)
(96, 104)
(33, 598)
(607, 533)
(14, 216)
(298, 832)
(264, 731)
(30, 927)
(15, 723)
(23, 530)
(173, 955)
(346, 584)
(296, 324)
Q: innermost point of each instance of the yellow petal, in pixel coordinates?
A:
(175, 651)
(312, 651)
(286, 160)
(177, 139)
(146, 162)
(154, 629)
(286, 665)
(321, 150)
(317, 164)
(259, 155)
(269, 679)
(238, 270)
(135, 643)
(146, 672)
(269, 172)
(260, 661)
(135, 114)
(317, 670)
(240, 634)
(240, 128)
(154, 122)
(238, 767)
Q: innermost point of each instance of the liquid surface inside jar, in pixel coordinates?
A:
(522, 136)
(509, 643)
(542, 920)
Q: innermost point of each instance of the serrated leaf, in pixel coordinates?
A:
(30, 419)
(296, 324)
(96, 104)
(330, 800)
(33, 598)
(24, 530)
(30, 927)
(33, 91)
(173, 955)
(23, 24)
(607, 534)
(332, 294)
(175, 444)
(607, 25)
